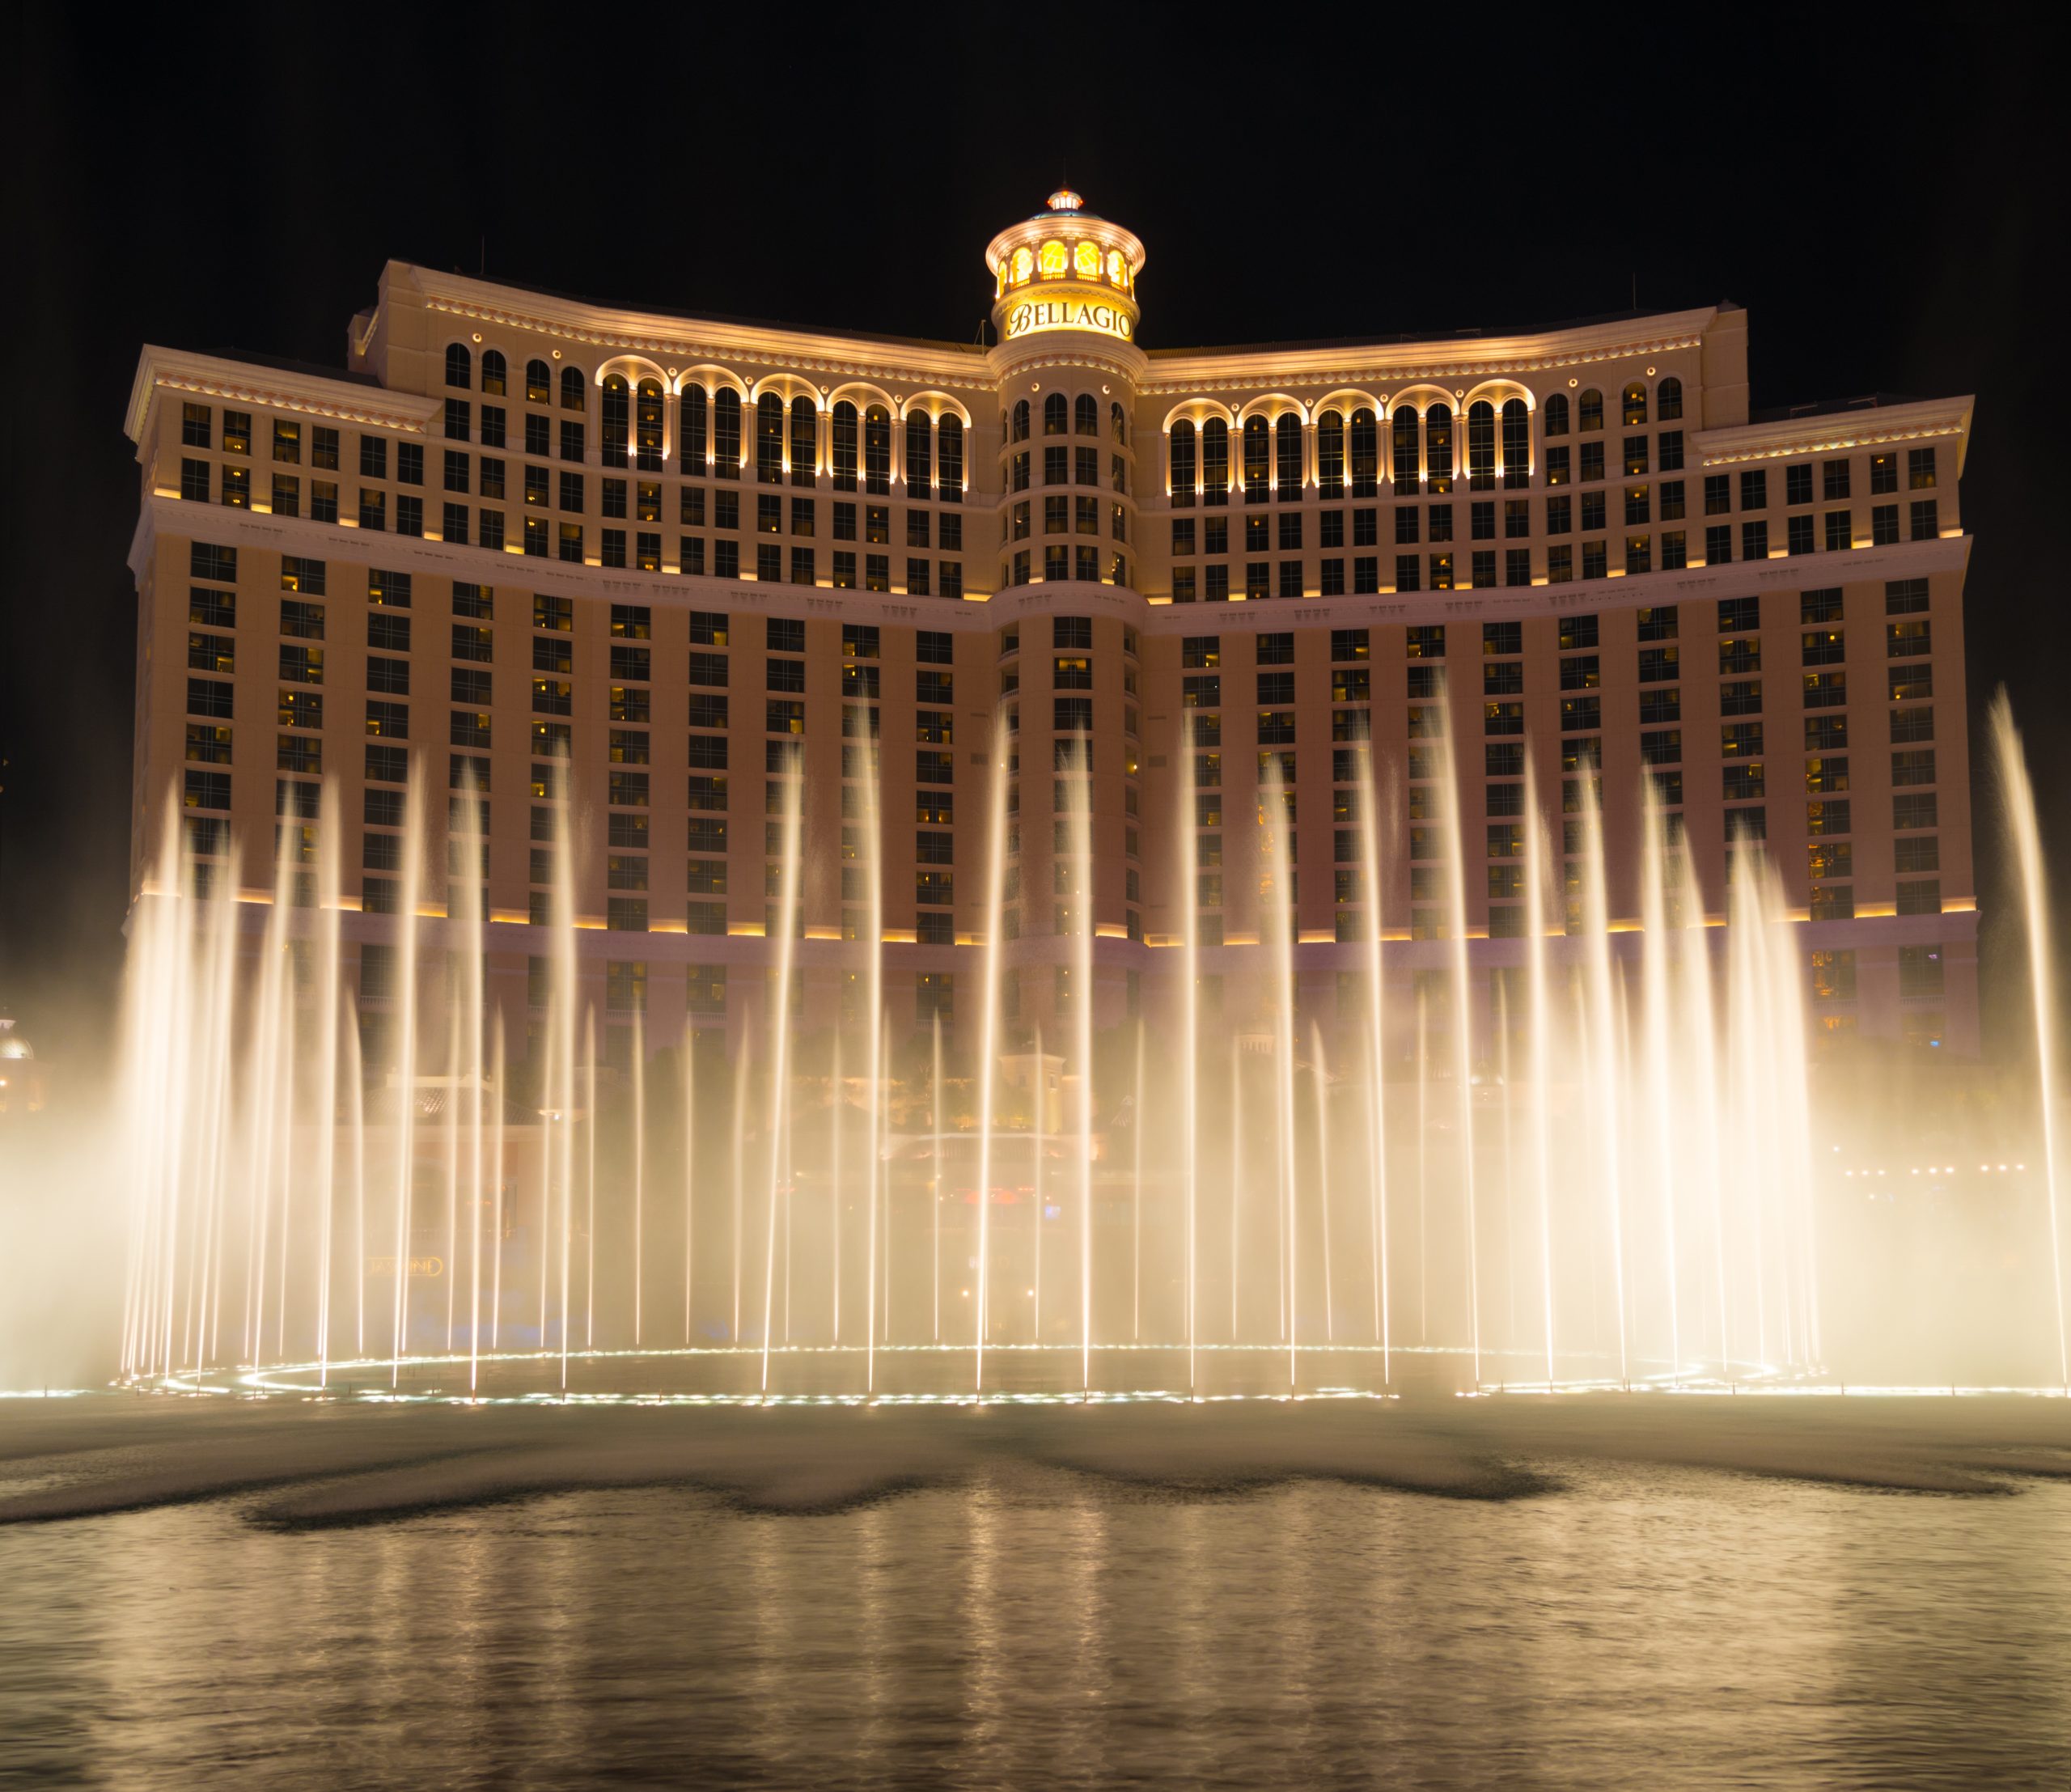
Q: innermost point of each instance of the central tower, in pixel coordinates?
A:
(1065, 271)
(1064, 311)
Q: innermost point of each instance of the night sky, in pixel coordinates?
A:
(1882, 201)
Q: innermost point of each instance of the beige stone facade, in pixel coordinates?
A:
(628, 564)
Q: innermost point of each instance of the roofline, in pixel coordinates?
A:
(1358, 361)
(1834, 431)
(909, 360)
(339, 395)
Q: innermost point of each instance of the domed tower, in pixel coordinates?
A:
(1064, 311)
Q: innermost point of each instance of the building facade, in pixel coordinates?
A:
(624, 585)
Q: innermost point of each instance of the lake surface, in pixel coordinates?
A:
(1023, 1616)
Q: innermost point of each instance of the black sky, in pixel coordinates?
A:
(1882, 192)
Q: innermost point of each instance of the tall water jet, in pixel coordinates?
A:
(1463, 1031)
(639, 1168)
(1190, 1065)
(497, 1222)
(1603, 1029)
(1377, 1185)
(779, 1085)
(837, 1114)
(989, 1031)
(2020, 800)
(589, 1178)
(690, 1176)
(473, 940)
(449, 1145)
(1537, 855)
(874, 844)
(1656, 948)
(934, 1185)
(1277, 918)
(328, 943)
(1041, 1143)
(1081, 834)
(405, 1053)
(1319, 1075)
(356, 1127)
(1423, 1166)
(1136, 1198)
(561, 1123)
(1695, 1000)
(1236, 1182)
(743, 1063)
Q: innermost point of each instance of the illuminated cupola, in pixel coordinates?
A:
(1066, 270)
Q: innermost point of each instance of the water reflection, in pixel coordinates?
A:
(1647, 1627)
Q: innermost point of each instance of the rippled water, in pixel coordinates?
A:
(1645, 1627)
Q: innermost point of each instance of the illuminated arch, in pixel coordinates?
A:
(713, 380)
(862, 395)
(1348, 399)
(786, 385)
(1271, 406)
(937, 404)
(632, 369)
(1420, 398)
(1197, 411)
(1498, 393)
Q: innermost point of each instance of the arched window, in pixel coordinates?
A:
(1517, 445)
(539, 383)
(615, 420)
(1215, 461)
(877, 450)
(769, 439)
(1056, 414)
(1553, 415)
(843, 446)
(1330, 455)
(1118, 425)
(1086, 415)
(1481, 446)
(493, 372)
(690, 430)
(726, 434)
(805, 440)
(1439, 448)
(460, 366)
(1406, 474)
(1590, 411)
(1021, 421)
(920, 455)
(949, 446)
(572, 395)
(1287, 472)
(1182, 452)
(1258, 459)
(1365, 454)
(1636, 405)
(647, 426)
(1668, 400)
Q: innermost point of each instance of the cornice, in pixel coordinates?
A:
(1210, 370)
(686, 341)
(1837, 432)
(350, 401)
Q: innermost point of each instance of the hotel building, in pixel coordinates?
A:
(527, 554)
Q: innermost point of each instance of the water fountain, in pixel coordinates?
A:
(1619, 1193)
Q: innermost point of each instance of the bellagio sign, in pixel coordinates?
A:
(1093, 315)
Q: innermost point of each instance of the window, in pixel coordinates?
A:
(1920, 972)
(1912, 723)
